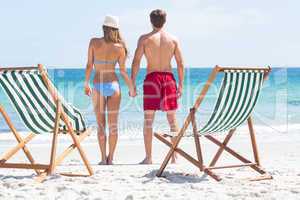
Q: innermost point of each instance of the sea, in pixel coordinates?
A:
(278, 106)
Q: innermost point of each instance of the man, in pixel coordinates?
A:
(160, 89)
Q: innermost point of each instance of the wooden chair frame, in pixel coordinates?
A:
(198, 162)
(43, 170)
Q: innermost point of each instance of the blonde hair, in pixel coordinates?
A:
(113, 35)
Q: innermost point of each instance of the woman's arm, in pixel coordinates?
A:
(123, 72)
(89, 69)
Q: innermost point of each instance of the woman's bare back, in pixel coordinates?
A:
(105, 57)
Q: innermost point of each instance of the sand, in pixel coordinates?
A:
(279, 154)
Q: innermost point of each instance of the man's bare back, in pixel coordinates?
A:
(159, 48)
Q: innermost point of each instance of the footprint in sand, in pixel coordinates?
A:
(167, 195)
(7, 185)
(42, 194)
(21, 184)
(86, 193)
(61, 188)
(89, 182)
(129, 197)
(263, 191)
(295, 191)
(255, 194)
(19, 196)
(233, 194)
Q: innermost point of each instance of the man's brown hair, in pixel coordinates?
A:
(158, 18)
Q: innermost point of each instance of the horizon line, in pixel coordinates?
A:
(143, 67)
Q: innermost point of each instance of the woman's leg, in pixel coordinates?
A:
(113, 106)
(99, 103)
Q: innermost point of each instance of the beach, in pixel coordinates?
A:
(116, 73)
(279, 154)
(276, 121)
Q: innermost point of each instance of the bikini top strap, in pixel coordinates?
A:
(103, 62)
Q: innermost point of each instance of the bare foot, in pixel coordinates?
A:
(174, 158)
(146, 161)
(103, 162)
(110, 161)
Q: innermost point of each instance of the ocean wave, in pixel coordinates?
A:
(294, 102)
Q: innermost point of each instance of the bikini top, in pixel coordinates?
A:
(104, 62)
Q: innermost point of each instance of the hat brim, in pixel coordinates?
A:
(111, 25)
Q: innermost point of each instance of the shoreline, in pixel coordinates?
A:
(144, 67)
(278, 129)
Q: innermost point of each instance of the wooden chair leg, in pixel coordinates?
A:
(199, 151)
(15, 149)
(54, 139)
(18, 137)
(66, 152)
(175, 144)
(253, 141)
(235, 154)
(188, 157)
(178, 150)
(61, 157)
(81, 152)
(221, 149)
(65, 118)
(24, 166)
(168, 156)
(197, 140)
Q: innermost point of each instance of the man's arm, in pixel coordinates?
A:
(139, 52)
(180, 67)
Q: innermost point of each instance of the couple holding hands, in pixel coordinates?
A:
(160, 90)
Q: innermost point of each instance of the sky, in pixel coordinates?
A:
(232, 32)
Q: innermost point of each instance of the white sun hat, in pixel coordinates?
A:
(111, 21)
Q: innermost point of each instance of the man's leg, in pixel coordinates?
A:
(171, 116)
(148, 131)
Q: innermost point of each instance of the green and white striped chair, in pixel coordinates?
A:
(43, 110)
(238, 95)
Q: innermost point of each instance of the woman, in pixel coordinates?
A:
(104, 53)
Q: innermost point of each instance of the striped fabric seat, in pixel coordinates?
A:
(33, 102)
(237, 97)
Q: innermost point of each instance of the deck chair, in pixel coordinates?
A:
(237, 97)
(43, 110)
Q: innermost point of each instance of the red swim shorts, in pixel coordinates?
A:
(160, 91)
